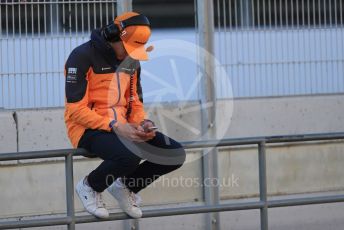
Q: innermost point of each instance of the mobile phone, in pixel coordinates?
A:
(152, 128)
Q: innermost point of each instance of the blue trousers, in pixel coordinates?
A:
(122, 158)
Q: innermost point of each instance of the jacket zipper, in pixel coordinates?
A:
(115, 114)
(119, 95)
(119, 88)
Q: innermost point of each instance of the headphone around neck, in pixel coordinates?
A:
(111, 32)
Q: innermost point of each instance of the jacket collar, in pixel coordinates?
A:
(104, 48)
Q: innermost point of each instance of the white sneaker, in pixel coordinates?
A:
(127, 200)
(91, 200)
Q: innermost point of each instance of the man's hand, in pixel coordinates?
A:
(129, 131)
(146, 136)
(134, 132)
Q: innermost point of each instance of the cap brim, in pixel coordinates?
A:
(136, 51)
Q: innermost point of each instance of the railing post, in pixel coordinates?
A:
(206, 66)
(263, 185)
(70, 190)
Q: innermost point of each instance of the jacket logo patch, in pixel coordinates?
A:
(128, 70)
(72, 70)
(71, 79)
(105, 68)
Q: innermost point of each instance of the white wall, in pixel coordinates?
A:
(287, 115)
(8, 132)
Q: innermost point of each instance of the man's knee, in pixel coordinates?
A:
(176, 164)
(178, 159)
(181, 156)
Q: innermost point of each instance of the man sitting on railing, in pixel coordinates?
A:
(104, 114)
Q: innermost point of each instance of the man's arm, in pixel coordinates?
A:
(76, 69)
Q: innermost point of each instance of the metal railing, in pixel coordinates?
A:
(263, 204)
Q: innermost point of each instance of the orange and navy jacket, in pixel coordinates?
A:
(98, 89)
